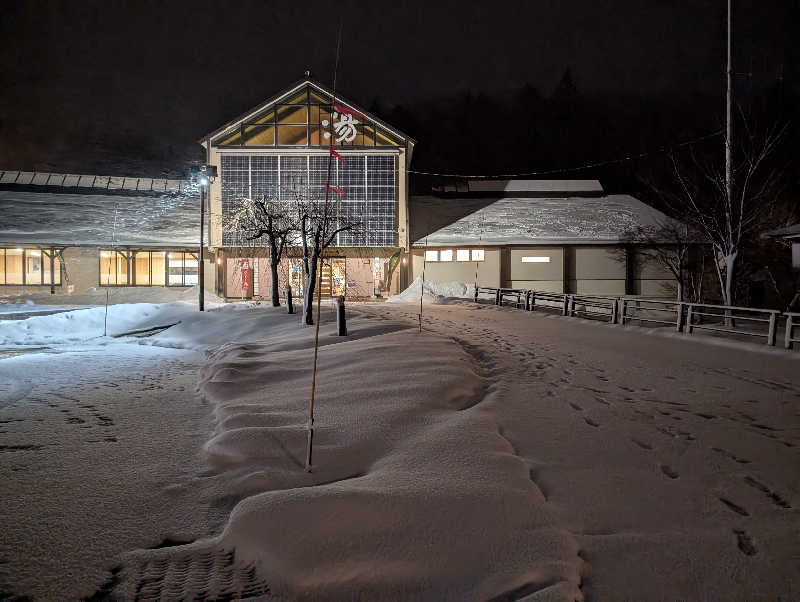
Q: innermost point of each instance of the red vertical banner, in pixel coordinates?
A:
(244, 267)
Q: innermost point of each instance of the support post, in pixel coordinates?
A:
(289, 306)
(565, 310)
(679, 324)
(624, 312)
(498, 299)
(787, 339)
(341, 319)
(571, 312)
(772, 328)
(614, 311)
(688, 327)
(201, 278)
(52, 271)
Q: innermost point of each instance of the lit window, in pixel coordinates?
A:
(462, 255)
(535, 259)
(477, 254)
(446, 255)
(114, 268)
(431, 255)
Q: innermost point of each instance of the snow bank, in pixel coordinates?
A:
(397, 507)
(434, 292)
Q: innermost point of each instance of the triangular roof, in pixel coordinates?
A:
(323, 94)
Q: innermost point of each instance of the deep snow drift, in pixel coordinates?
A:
(497, 455)
(434, 292)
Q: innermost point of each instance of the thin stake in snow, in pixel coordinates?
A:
(422, 286)
(108, 277)
(321, 264)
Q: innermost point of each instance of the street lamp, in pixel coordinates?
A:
(203, 176)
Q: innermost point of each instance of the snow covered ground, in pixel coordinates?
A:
(497, 455)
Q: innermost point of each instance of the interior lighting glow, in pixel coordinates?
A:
(462, 255)
(446, 255)
(535, 260)
(431, 255)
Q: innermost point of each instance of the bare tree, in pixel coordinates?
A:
(319, 225)
(674, 246)
(270, 218)
(727, 216)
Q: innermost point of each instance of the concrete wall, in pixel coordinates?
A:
(458, 271)
(547, 277)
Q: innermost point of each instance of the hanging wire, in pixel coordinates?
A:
(321, 264)
(544, 172)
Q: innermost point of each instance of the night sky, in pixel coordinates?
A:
(83, 80)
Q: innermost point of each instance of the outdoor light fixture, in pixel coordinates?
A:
(203, 176)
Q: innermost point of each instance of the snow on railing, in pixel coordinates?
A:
(685, 317)
(37, 178)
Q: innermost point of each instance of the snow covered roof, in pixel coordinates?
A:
(72, 218)
(790, 232)
(516, 221)
(538, 187)
(33, 180)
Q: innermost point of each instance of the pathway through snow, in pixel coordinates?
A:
(673, 462)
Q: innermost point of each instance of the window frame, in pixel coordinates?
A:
(43, 252)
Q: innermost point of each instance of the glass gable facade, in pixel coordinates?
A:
(307, 118)
(368, 183)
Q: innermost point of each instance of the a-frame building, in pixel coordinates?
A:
(281, 148)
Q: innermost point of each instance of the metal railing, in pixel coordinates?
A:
(684, 317)
(792, 321)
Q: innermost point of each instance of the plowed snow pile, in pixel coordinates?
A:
(415, 493)
(434, 292)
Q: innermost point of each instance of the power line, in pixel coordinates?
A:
(577, 168)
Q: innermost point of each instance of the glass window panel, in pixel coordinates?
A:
(176, 269)
(191, 269)
(259, 135)
(108, 276)
(57, 270)
(446, 255)
(142, 263)
(33, 266)
(462, 255)
(234, 139)
(264, 118)
(536, 259)
(369, 135)
(385, 139)
(157, 268)
(292, 135)
(317, 136)
(46, 261)
(122, 270)
(319, 97)
(299, 98)
(431, 255)
(477, 254)
(13, 266)
(292, 114)
(2, 266)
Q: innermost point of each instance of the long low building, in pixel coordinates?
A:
(71, 232)
(564, 236)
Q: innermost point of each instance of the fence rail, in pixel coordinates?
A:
(685, 317)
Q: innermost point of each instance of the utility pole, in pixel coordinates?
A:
(202, 221)
(728, 124)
